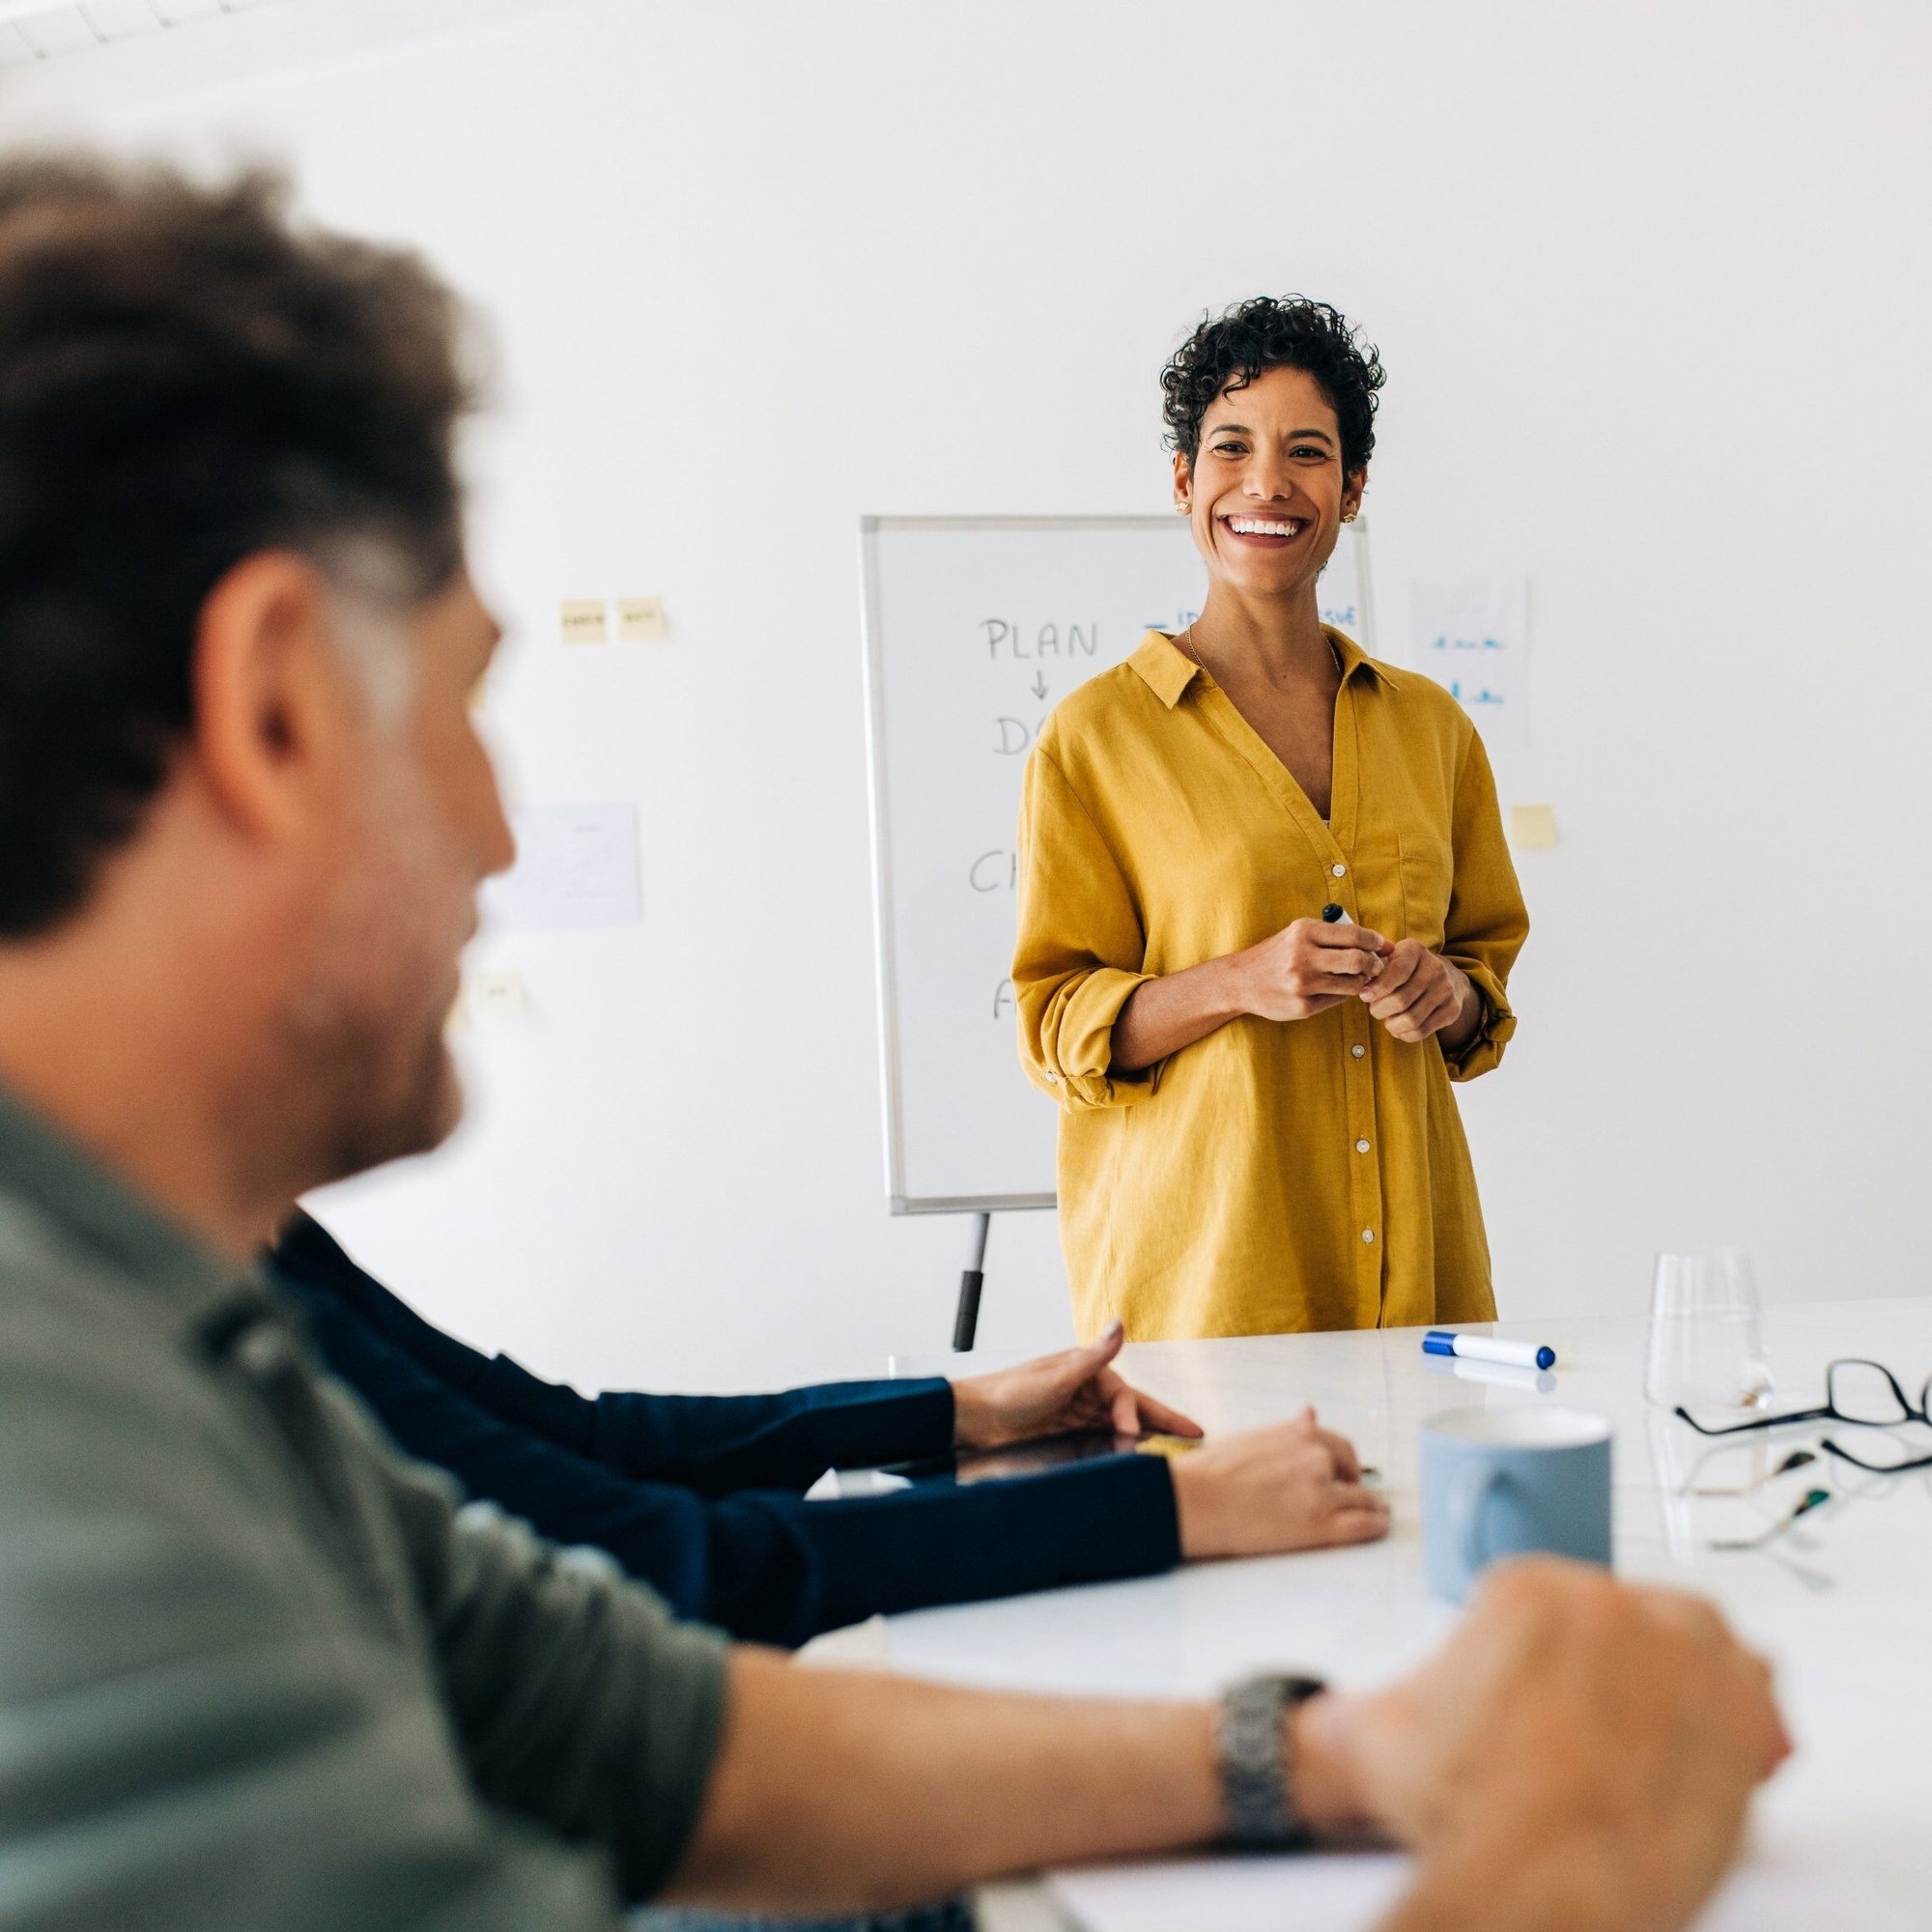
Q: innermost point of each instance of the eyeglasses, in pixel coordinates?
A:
(1862, 1393)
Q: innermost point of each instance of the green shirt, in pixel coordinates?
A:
(257, 1671)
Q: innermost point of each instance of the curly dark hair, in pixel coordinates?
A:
(186, 377)
(1229, 351)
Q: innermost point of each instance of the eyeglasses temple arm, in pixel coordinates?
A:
(1682, 1414)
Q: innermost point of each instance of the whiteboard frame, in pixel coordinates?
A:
(897, 1200)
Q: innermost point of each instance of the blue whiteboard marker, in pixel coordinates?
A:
(1488, 1349)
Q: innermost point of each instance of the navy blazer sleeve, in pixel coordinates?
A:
(765, 1565)
(716, 1444)
(713, 1445)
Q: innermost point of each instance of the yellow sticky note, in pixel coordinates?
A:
(498, 993)
(1532, 828)
(583, 621)
(641, 620)
(1169, 1446)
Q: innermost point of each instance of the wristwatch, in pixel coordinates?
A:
(1252, 1756)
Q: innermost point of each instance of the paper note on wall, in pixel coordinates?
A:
(583, 620)
(641, 620)
(497, 992)
(1532, 828)
(1470, 634)
(577, 865)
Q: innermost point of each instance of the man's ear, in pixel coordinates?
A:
(1183, 483)
(272, 703)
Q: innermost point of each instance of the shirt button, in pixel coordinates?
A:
(1358, 1051)
(1053, 1080)
(1368, 1234)
(1361, 1146)
(1339, 870)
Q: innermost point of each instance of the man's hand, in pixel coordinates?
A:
(1074, 1389)
(1419, 993)
(1580, 1753)
(1293, 1487)
(1576, 1759)
(1308, 967)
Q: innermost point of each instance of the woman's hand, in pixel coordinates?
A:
(1419, 994)
(1077, 1388)
(1308, 967)
(1305, 968)
(1295, 1485)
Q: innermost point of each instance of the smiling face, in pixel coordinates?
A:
(1264, 490)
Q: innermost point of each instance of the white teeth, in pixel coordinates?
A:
(1256, 526)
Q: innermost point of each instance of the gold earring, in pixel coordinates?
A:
(1181, 509)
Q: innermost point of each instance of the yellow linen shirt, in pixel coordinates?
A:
(1308, 1174)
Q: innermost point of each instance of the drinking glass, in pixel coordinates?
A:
(1706, 1333)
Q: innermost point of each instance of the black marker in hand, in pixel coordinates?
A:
(1334, 914)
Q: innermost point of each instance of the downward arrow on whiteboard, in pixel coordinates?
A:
(1039, 685)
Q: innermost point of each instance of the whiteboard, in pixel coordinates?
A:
(974, 629)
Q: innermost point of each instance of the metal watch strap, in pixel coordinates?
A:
(1251, 1752)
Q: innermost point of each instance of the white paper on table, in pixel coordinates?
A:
(577, 865)
(1471, 635)
(1350, 1891)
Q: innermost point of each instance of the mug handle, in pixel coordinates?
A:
(1470, 1508)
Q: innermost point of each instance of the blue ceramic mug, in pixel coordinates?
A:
(1502, 1481)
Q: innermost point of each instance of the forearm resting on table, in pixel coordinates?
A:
(837, 1791)
(1163, 1016)
(842, 1791)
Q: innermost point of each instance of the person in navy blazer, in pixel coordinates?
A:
(702, 1496)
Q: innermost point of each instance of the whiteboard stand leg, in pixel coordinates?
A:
(966, 1323)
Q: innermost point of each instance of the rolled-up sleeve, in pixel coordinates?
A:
(1081, 944)
(1487, 920)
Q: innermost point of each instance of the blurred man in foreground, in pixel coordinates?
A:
(259, 1671)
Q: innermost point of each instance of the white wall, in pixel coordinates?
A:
(1652, 285)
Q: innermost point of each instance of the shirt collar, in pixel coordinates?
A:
(1354, 659)
(101, 1213)
(1167, 671)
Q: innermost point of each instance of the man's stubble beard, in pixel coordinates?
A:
(370, 1077)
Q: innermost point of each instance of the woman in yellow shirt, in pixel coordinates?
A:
(1266, 911)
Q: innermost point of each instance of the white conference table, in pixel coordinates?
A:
(1843, 1606)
